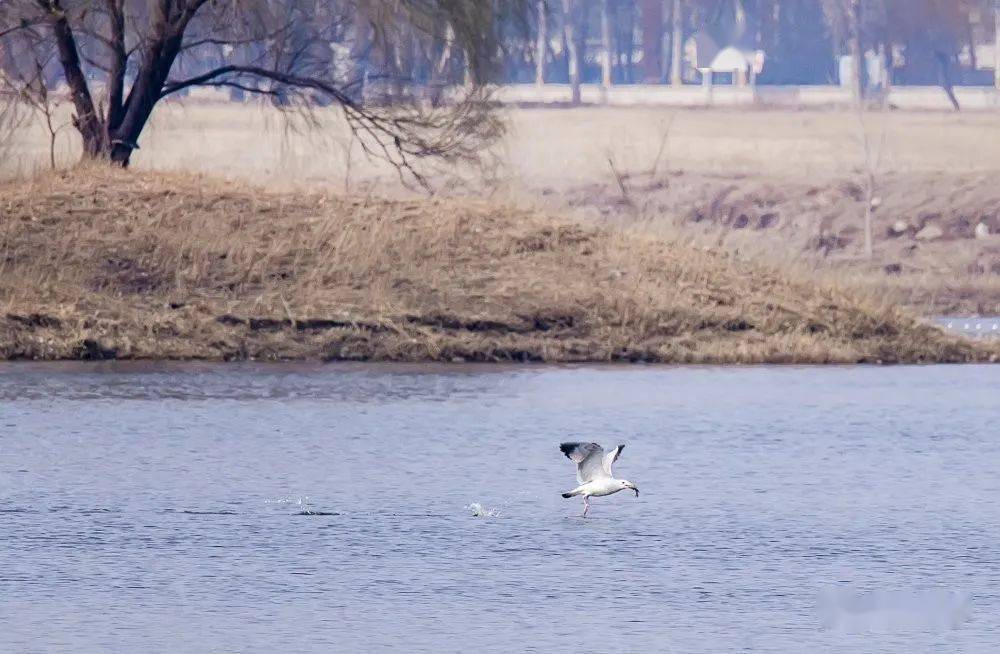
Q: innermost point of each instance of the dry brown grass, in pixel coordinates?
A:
(97, 263)
(777, 186)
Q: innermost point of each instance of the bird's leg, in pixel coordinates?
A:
(586, 506)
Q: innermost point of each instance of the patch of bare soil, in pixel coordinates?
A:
(936, 237)
(99, 264)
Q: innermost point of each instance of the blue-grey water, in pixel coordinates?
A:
(325, 509)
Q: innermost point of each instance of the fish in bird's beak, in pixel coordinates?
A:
(636, 491)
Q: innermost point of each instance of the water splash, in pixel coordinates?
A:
(297, 501)
(480, 511)
(301, 503)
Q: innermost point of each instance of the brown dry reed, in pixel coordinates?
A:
(97, 263)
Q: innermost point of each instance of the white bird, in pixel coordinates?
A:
(593, 472)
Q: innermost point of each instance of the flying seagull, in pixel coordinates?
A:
(593, 471)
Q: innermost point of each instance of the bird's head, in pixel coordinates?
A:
(627, 484)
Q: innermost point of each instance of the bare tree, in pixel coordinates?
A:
(27, 92)
(36, 95)
(846, 21)
(541, 41)
(853, 9)
(607, 48)
(574, 46)
(996, 43)
(652, 41)
(676, 42)
(11, 118)
(119, 58)
(930, 32)
(870, 181)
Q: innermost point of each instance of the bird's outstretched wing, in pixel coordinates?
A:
(610, 458)
(588, 458)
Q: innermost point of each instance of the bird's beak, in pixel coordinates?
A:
(636, 489)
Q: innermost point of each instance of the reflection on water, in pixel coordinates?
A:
(375, 508)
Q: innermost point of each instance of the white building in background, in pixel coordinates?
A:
(876, 71)
(704, 55)
(986, 56)
(744, 66)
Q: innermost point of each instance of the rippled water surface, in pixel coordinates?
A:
(298, 508)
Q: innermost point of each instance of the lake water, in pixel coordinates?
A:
(251, 508)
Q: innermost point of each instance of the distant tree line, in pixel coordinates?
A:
(630, 41)
(412, 76)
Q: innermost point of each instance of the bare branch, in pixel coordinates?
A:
(256, 71)
(22, 25)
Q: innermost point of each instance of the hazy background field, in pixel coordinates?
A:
(561, 146)
(788, 187)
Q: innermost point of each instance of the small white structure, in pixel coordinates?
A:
(743, 66)
(732, 61)
(986, 56)
(847, 71)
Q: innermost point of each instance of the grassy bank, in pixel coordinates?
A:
(96, 263)
(784, 187)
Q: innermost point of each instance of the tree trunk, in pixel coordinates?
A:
(439, 76)
(540, 43)
(889, 62)
(360, 43)
(996, 46)
(970, 37)
(86, 120)
(570, 30)
(118, 67)
(628, 43)
(607, 46)
(652, 41)
(944, 64)
(677, 43)
(145, 93)
(115, 140)
(856, 50)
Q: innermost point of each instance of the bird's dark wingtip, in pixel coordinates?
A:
(567, 495)
(566, 448)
